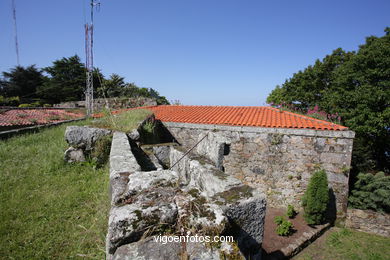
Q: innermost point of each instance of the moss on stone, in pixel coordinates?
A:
(235, 194)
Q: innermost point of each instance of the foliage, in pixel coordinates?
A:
(353, 87)
(316, 197)
(291, 213)
(21, 81)
(285, 227)
(66, 82)
(9, 101)
(279, 220)
(50, 209)
(371, 192)
(24, 105)
(101, 150)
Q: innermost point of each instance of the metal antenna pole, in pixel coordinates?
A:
(89, 61)
(15, 32)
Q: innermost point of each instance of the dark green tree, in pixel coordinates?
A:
(22, 82)
(66, 82)
(316, 198)
(356, 86)
(114, 86)
(371, 192)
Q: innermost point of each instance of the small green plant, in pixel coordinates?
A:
(54, 118)
(22, 115)
(276, 139)
(316, 198)
(285, 227)
(33, 121)
(279, 220)
(149, 127)
(291, 212)
(24, 105)
(101, 151)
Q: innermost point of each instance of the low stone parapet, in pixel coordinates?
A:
(369, 221)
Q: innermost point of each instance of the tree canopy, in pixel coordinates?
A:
(64, 81)
(356, 86)
(21, 82)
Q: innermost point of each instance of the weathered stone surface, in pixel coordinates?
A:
(162, 154)
(212, 147)
(247, 216)
(147, 211)
(84, 137)
(134, 135)
(74, 155)
(122, 164)
(195, 196)
(369, 221)
(203, 176)
(144, 180)
(149, 249)
(279, 162)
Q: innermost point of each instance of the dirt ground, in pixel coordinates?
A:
(272, 242)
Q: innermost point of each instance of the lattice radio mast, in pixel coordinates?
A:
(89, 60)
(15, 32)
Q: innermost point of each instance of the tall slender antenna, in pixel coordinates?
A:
(89, 61)
(15, 32)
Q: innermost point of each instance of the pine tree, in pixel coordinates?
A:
(315, 200)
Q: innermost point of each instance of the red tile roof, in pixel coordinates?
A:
(240, 116)
(28, 117)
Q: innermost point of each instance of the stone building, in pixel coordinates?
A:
(269, 149)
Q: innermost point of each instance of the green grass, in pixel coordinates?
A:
(124, 122)
(50, 209)
(347, 244)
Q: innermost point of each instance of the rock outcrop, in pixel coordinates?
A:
(82, 140)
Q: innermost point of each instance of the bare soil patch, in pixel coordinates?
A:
(272, 242)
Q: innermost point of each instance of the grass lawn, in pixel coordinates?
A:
(50, 209)
(124, 122)
(347, 244)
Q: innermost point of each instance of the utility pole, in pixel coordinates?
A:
(89, 61)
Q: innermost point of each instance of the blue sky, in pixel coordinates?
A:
(201, 52)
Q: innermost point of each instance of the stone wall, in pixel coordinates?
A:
(113, 103)
(369, 221)
(277, 161)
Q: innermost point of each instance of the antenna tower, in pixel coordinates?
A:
(89, 60)
(15, 32)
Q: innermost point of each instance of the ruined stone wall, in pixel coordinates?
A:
(277, 161)
(192, 197)
(369, 221)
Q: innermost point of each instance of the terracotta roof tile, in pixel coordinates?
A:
(239, 116)
(29, 117)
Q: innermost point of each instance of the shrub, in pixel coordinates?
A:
(291, 213)
(315, 200)
(371, 192)
(9, 101)
(101, 150)
(285, 227)
(24, 105)
(278, 220)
